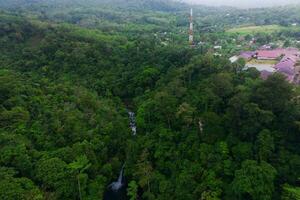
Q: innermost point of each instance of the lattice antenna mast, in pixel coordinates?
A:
(191, 31)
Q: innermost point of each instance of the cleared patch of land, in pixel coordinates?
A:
(267, 62)
(256, 29)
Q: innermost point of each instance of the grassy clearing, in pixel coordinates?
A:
(256, 29)
(269, 62)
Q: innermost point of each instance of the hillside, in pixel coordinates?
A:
(154, 5)
(72, 93)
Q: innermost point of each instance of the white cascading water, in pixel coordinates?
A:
(132, 122)
(115, 186)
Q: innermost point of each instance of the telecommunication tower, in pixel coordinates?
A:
(191, 33)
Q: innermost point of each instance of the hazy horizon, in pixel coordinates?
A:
(244, 3)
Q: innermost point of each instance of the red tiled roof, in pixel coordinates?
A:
(247, 54)
(269, 53)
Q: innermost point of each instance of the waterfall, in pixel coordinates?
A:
(132, 122)
(115, 186)
(117, 189)
(121, 175)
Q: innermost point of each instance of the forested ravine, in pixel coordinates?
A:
(117, 190)
(76, 103)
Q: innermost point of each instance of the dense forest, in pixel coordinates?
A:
(70, 71)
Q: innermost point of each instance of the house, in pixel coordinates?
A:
(217, 47)
(297, 74)
(233, 59)
(269, 54)
(247, 55)
(252, 41)
(287, 65)
(292, 52)
(217, 54)
(265, 47)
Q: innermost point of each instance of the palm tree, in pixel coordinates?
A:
(80, 165)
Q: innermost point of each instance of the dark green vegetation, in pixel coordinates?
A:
(206, 129)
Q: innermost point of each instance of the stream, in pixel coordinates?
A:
(132, 122)
(117, 189)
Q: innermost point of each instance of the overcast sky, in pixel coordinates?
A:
(245, 3)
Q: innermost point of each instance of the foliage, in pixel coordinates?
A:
(289, 192)
(132, 190)
(206, 128)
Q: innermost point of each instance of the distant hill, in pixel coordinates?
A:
(156, 5)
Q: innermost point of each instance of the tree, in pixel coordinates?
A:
(165, 105)
(132, 190)
(147, 77)
(290, 192)
(222, 85)
(254, 180)
(144, 171)
(54, 175)
(17, 156)
(186, 113)
(239, 65)
(212, 127)
(265, 145)
(80, 165)
(274, 93)
(15, 188)
(97, 187)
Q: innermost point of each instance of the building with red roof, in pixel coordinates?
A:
(269, 54)
(287, 62)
